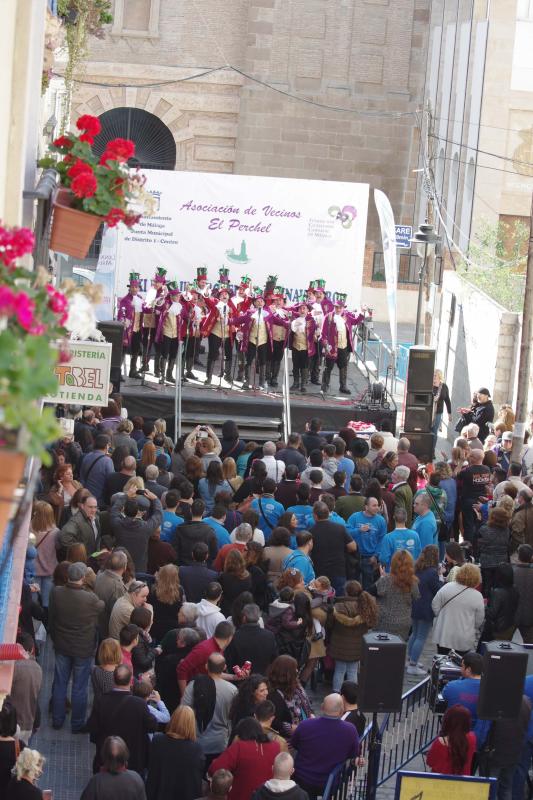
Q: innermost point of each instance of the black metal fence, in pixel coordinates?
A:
(401, 736)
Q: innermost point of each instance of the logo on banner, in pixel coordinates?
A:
(238, 258)
(344, 215)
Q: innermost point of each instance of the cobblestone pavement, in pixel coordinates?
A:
(69, 757)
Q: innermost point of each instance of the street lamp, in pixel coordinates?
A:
(425, 239)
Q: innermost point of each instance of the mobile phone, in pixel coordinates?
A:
(202, 434)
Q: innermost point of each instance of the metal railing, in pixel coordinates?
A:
(375, 359)
(401, 736)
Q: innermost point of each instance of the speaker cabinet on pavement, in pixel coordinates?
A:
(113, 331)
(419, 394)
(420, 369)
(421, 445)
(502, 682)
(382, 672)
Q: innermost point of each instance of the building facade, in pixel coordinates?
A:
(319, 57)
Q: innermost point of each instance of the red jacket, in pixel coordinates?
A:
(250, 764)
(195, 663)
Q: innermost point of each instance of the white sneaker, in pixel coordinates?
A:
(414, 669)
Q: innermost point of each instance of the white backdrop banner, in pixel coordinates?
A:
(388, 236)
(299, 230)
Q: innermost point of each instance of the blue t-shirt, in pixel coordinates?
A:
(169, 525)
(426, 527)
(304, 516)
(403, 539)
(220, 531)
(269, 514)
(346, 465)
(299, 560)
(465, 691)
(334, 517)
(368, 542)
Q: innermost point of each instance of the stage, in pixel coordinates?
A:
(258, 414)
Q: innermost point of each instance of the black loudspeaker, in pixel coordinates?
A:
(421, 445)
(418, 411)
(382, 671)
(113, 332)
(420, 369)
(502, 682)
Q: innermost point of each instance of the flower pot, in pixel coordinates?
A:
(11, 470)
(72, 231)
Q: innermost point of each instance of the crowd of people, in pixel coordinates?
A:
(246, 330)
(194, 590)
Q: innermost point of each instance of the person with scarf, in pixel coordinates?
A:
(337, 338)
(210, 697)
(216, 325)
(194, 303)
(303, 345)
(170, 329)
(130, 313)
(279, 332)
(152, 309)
(256, 342)
(242, 302)
(320, 305)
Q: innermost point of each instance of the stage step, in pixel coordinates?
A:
(259, 429)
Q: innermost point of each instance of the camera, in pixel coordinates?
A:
(141, 492)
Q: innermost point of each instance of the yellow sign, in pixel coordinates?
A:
(429, 787)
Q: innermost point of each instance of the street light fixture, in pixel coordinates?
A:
(425, 240)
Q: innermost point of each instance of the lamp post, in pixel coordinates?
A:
(425, 239)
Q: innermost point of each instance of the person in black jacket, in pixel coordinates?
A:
(114, 781)
(188, 534)
(196, 577)
(251, 643)
(130, 529)
(174, 649)
(144, 653)
(331, 542)
(441, 398)
(118, 713)
(176, 760)
(493, 546)
(281, 787)
(502, 607)
(481, 412)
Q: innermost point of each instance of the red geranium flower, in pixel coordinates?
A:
(118, 150)
(63, 141)
(115, 216)
(89, 124)
(84, 184)
(86, 137)
(79, 168)
(15, 243)
(131, 219)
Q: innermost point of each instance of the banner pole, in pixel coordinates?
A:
(288, 392)
(177, 393)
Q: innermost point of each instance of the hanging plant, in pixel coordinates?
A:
(82, 18)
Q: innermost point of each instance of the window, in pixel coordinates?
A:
(525, 9)
(136, 18)
(408, 268)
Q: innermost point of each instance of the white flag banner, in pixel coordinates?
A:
(390, 260)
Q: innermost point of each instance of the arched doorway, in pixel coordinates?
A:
(155, 147)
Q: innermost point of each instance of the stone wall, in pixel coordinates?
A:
(361, 55)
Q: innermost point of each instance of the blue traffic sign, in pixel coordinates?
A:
(404, 234)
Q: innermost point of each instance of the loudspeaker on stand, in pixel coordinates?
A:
(382, 672)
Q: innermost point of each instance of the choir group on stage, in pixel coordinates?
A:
(247, 331)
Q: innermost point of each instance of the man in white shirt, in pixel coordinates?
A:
(209, 613)
(275, 469)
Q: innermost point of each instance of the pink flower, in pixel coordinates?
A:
(24, 309)
(15, 243)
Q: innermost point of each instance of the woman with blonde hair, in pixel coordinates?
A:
(176, 763)
(45, 530)
(161, 428)
(506, 418)
(122, 438)
(229, 471)
(28, 769)
(395, 592)
(166, 597)
(109, 657)
(460, 612)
